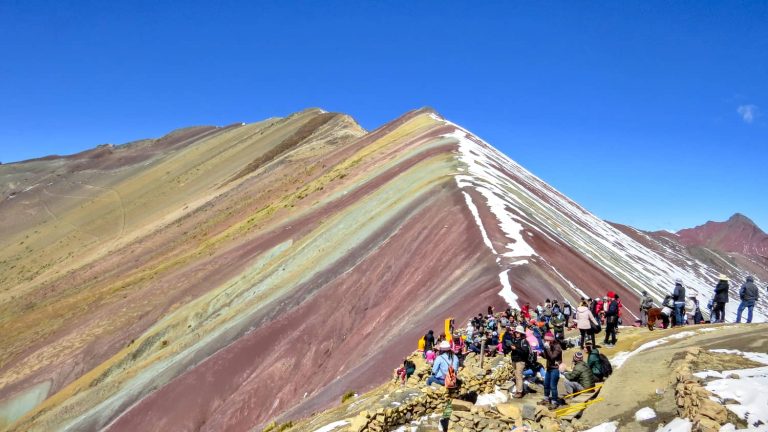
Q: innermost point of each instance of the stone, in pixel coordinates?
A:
(460, 405)
(713, 411)
(510, 411)
(358, 423)
(549, 425)
(529, 412)
(707, 425)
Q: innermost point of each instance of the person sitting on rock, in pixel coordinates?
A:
(491, 343)
(405, 371)
(580, 377)
(445, 360)
(519, 355)
(593, 361)
(430, 356)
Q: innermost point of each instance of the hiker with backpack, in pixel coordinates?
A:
(567, 311)
(580, 377)
(748, 294)
(598, 363)
(678, 295)
(720, 299)
(519, 352)
(553, 354)
(445, 367)
(584, 321)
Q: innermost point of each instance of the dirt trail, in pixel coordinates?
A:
(646, 377)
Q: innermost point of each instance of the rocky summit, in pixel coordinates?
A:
(219, 278)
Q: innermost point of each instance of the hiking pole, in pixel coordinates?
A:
(482, 352)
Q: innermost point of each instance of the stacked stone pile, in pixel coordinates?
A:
(693, 400)
(466, 416)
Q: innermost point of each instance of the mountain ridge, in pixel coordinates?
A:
(141, 283)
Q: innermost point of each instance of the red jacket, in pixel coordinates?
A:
(526, 312)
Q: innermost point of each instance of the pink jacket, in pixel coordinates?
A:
(584, 318)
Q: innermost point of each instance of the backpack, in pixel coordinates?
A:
(450, 378)
(605, 366)
(597, 369)
(567, 310)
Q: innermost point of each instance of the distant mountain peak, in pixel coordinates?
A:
(737, 234)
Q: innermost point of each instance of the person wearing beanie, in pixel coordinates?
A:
(518, 353)
(445, 360)
(580, 377)
(720, 299)
(748, 295)
(553, 353)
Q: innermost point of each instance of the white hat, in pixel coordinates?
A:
(723, 277)
(444, 346)
(520, 329)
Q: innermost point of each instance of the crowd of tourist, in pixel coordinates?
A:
(535, 334)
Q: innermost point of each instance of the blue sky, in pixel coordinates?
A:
(653, 114)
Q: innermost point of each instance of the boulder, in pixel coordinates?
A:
(460, 405)
(510, 411)
(713, 411)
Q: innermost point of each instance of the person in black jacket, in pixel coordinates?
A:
(429, 342)
(748, 295)
(518, 353)
(611, 322)
(720, 299)
(678, 295)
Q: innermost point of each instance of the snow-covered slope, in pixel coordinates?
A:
(525, 207)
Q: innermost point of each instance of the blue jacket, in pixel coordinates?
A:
(440, 367)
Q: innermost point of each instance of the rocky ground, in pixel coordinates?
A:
(657, 384)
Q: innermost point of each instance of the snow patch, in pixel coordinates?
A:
(605, 427)
(506, 290)
(676, 425)
(645, 414)
(750, 390)
(331, 426)
(492, 399)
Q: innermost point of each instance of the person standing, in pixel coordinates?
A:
(748, 295)
(646, 303)
(720, 299)
(519, 355)
(429, 341)
(611, 321)
(678, 295)
(567, 311)
(553, 353)
(584, 320)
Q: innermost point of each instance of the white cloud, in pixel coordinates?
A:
(748, 113)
